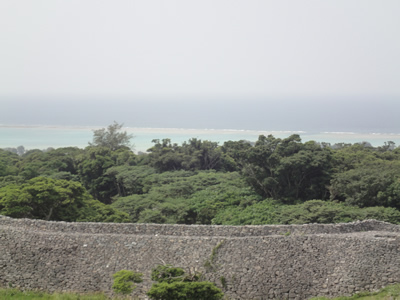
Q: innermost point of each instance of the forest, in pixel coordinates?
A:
(270, 181)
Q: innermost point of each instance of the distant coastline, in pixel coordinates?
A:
(55, 136)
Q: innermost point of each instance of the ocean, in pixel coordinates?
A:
(60, 122)
(43, 137)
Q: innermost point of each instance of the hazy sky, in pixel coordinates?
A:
(220, 50)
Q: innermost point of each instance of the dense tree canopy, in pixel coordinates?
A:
(200, 182)
(43, 198)
(287, 169)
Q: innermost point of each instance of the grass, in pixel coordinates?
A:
(15, 294)
(391, 292)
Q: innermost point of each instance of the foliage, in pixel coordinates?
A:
(15, 294)
(173, 284)
(10, 179)
(209, 263)
(313, 211)
(374, 184)
(43, 198)
(185, 291)
(111, 137)
(199, 182)
(8, 163)
(167, 273)
(222, 279)
(128, 179)
(59, 200)
(93, 167)
(39, 163)
(317, 211)
(192, 155)
(259, 213)
(233, 154)
(96, 211)
(286, 169)
(124, 279)
(388, 292)
(186, 197)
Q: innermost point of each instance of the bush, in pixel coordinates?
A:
(167, 273)
(123, 281)
(203, 290)
(173, 284)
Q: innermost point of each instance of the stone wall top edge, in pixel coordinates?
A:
(39, 221)
(198, 230)
(53, 235)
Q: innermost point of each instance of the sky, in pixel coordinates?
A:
(211, 57)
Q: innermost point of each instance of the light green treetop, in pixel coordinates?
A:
(112, 137)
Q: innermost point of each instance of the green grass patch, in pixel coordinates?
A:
(391, 292)
(16, 294)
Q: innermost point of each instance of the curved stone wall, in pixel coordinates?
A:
(257, 262)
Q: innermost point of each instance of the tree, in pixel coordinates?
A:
(368, 185)
(93, 167)
(43, 198)
(112, 137)
(233, 154)
(286, 169)
(8, 163)
(39, 163)
(129, 179)
(192, 155)
(95, 211)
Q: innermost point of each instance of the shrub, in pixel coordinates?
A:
(123, 281)
(174, 284)
(203, 290)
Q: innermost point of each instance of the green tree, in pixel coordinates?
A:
(96, 211)
(201, 155)
(43, 198)
(286, 169)
(368, 185)
(194, 154)
(165, 156)
(233, 154)
(186, 197)
(325, 212)
(129, 180)
(313, 211)
(93, 167)
(8, 163)
(112, 137)
(39, 163)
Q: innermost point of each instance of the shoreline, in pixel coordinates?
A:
(56, 136)
(203, 130)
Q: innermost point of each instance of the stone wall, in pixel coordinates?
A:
(257, 262)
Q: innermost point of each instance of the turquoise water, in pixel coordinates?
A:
(42, 137)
